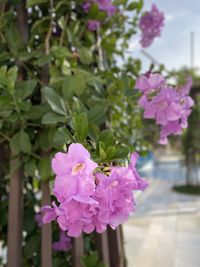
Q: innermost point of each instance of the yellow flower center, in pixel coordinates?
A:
(79, 167)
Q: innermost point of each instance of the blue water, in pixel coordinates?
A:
(175, 170)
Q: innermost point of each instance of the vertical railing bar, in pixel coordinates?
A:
(77, 251)
(15, 212)
(122, 245)
(46, 238)
(115, 248)
(101, 244)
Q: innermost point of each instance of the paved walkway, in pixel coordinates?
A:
(165, 230)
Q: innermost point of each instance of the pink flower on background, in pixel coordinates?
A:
(38, 219)
(107, 6)
(93, 25)
(150, 24)
(103, 5)
(164, 107)
(86, 6)
(172, 127)
(149, 83)
(63, 244)
(142, 184)
(87, 200)
(170, 107)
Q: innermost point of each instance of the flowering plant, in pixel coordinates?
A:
(62, 87)
(168, 106)
(88, 199)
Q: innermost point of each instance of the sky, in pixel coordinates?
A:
(173, 47)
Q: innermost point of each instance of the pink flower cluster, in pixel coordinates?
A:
(150, 24)
(93, 25)
(103, 5)
(89, 199)
(170, 107)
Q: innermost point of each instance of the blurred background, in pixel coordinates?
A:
(164, 231)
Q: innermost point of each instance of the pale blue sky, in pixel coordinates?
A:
(173, 47)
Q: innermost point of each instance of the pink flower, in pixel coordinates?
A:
(74, 172)
(115, 197)
(38, 219)
(93, 25)
(104, 5)
(170, 107)
(76, 217)
(63, 244)
(86, 6)
(88, 200)
(141, 183)
(172, 127)
(149, 83)
(49, 213)
(164, 107)
(107, 6)
(150, 24)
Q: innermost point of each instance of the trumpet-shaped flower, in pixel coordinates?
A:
(88, 200)
(74, 174)
(164, 107)
(170, 107)
(149, 83)
(150, 24)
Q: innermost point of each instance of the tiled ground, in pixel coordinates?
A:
(165, 230)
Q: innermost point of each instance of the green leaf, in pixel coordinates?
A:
(107, 138)
(44, 59)
(60, 52)
(25, 89)
(31, 3)
(35, 112)
(6, 104)
(120, 152)
(11, 79)
(30, 167)
(20, 142)
(96, 115)
(86, 56)
(24, 106)
(81, 127)
(43, 140)
(44, 168)
(74, 84)
(135, 5)
(25, 144)
(14, 39)
(55, 101)
(15, 144)
(91, 260)
(102, 150)
(61, 137)
(53, 118)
